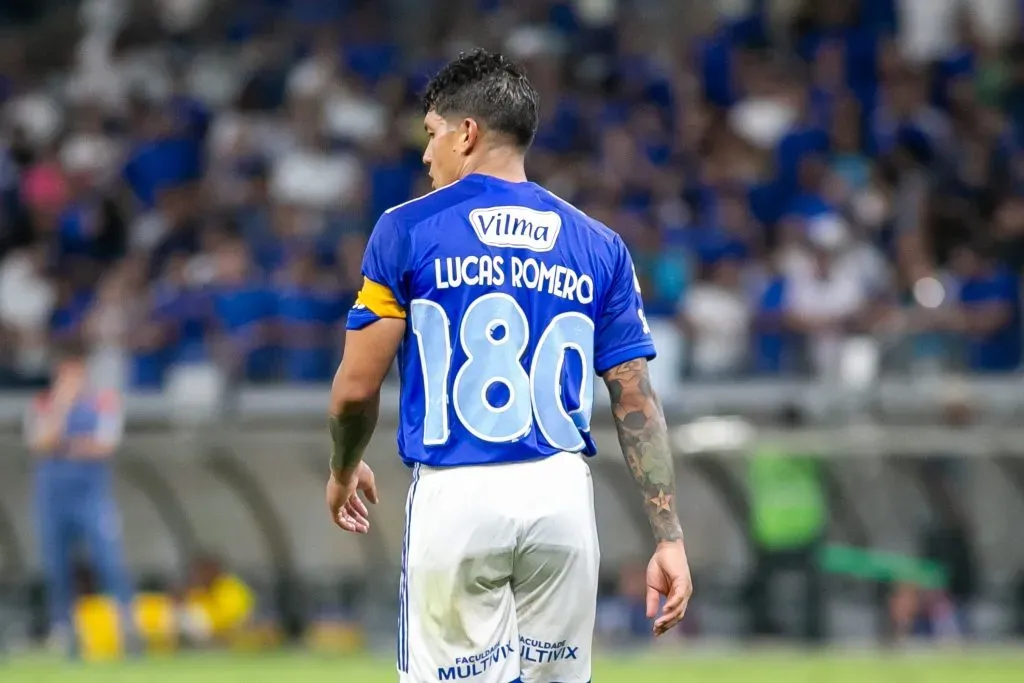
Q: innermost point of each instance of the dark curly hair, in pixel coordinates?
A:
(489, 88)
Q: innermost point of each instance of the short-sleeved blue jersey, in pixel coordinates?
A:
(514, 298)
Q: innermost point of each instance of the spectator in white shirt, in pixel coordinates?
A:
(826, 300)
(716, 317)
(27, 298)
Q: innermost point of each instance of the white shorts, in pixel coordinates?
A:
(499, 574)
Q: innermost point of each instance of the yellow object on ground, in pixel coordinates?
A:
(227, 605)
(98, 624)
(225, 609)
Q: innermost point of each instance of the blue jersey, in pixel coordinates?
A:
(514, 299)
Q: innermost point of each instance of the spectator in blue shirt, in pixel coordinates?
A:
(392, 175)
(828, 23)
(254, 215)
(771, 341)
(183, 309)
(732, 232)
(307, 318)
(150, 166)
(989, 311)
(828, 82)
(243, 309)
(151, 341)
(904, 116)
(90, 225)
(297, 230)
(847, 162)
(804, 139)
(74, 301)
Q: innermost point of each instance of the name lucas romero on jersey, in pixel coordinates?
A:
(527, 273)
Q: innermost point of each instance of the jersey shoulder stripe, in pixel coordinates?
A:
(422, 208)
(415, 200)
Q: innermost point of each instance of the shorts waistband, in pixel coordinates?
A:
(420, 469)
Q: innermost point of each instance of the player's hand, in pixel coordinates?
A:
(347, 509)
(668, 574)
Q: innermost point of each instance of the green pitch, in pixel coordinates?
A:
(777, 667)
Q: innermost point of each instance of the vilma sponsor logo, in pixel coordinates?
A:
(516, 227)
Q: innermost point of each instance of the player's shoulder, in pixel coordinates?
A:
(591, 229)
(421, 209)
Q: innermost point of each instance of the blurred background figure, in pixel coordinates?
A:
(789, 523)
(215, 605)
(622, 618)
(26, 303)
(73, 432)
(622, 622)
(947, 539)
(716, 319)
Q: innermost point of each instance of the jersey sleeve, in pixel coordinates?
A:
(622, 332)
(382, 293)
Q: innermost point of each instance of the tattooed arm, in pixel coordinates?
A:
(643, 436)
(351, 428)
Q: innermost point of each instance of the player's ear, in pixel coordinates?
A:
(469, 135)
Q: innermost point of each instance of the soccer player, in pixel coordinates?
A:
(72, 433)
(502, 301)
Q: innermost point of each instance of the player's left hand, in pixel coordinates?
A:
(347, 509)
(668, 576)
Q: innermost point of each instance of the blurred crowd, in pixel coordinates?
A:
(801, 182)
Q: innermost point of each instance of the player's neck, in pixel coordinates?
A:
(500, 164)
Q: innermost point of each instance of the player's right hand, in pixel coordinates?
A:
(348, 510)
(668, 574)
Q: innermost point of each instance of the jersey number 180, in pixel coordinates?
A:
(494, 335)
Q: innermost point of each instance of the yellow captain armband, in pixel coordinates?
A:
(380, 300)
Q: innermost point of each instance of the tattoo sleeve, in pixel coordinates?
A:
(643, 435)
(350, 433)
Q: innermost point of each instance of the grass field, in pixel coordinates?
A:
(777, 667)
